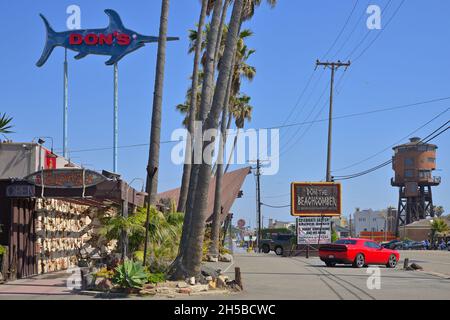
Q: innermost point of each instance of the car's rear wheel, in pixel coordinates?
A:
(392, 263)
(279, 251)
(265, 248)
(359, 261)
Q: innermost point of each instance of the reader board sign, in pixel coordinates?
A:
(310, 228)
(310, 199)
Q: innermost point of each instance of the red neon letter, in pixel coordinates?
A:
(108, 39)
(75, 38)
(91, 39)
(123, 39)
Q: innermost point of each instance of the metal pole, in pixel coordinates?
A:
(65, 105)
(258, 190)
(116, 117)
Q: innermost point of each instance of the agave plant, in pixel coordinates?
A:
(130, 275)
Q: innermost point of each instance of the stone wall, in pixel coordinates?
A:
(65, 230)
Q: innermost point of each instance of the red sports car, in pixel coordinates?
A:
(358, 252)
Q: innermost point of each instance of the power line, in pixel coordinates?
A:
(355, 26)
(312, 122)
(381, 31)
(351, 115)
(395, 143)
(367, 34)
(275, 207)
(342, 30)
(384, 164)
(437, 135)
(312, 74)
(358, 114)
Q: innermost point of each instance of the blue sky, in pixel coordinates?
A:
(407, 63)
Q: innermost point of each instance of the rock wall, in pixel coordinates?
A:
(64, 231)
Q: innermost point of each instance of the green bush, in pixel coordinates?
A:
(130, 275)
(156, 277)
(2, 250)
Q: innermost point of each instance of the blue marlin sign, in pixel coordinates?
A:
(115, 40)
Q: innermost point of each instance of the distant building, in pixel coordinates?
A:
(18, 160)
(275, 224)
(419, 230)
(373, 221)
(342, 232)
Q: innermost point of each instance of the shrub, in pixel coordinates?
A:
(130, 275)
(2, 250)
(156, 277)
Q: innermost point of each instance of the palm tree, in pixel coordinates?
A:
(155, 131)
(194, 245)
(438, 211)
(5, 124)
(241, 111)
(194, 99)
(438, 226)
(205, 105)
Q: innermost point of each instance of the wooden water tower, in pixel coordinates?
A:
(413, 164)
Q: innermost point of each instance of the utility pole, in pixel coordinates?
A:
(258, 197)
(333, 66)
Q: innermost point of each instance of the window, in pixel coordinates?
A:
(431, 160)
(422, 148)
(344, 241)
(409, 174)
(425, 174)
(371, 245)
(409, 162)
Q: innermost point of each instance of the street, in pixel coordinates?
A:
(267, 276)
(273, 277)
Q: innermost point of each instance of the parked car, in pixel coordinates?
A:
(358, 252)
(393, 244)
(278, 243)
(412, 245)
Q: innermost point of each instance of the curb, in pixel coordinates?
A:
(102, 294)
(436, 274)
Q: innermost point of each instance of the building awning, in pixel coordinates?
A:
(231, 186)
(78, 186)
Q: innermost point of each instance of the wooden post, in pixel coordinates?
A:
(237, 277)
(406, 263)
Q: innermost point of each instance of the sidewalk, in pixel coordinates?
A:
(46, 286)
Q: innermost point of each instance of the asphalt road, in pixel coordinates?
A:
(269, 277)
(273, 277)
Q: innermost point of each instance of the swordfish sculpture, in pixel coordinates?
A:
(115, 40)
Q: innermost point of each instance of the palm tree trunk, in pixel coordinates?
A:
(232, 150)
(155, 133)
(220, 35)
(177, 269)
(195, 241)
(217, 211)
(192, 112)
